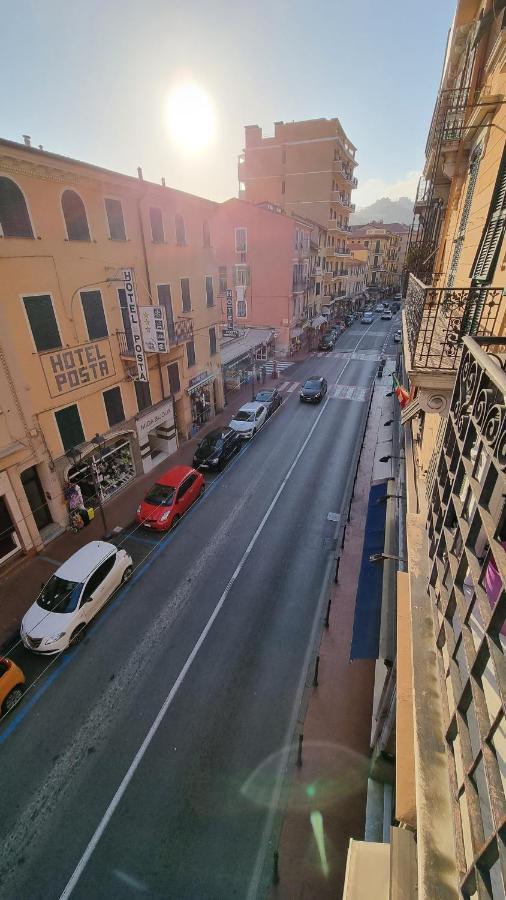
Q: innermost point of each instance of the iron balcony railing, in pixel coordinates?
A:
(178, 332)
(437, 320)
(466, 529)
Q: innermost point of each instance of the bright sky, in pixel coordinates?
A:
(91, 80)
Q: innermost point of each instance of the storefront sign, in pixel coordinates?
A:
(230, 308)
(67, 370)
(198, 379)
(162, 413)
(133, 312)
(154, 329)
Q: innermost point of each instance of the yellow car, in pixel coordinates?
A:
(12, 685)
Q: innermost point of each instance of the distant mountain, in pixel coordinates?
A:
(385, 210)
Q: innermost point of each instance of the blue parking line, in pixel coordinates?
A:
(142, 540)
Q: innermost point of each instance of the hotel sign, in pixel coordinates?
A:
(133, 313)
(76, 367)
(154, 329)
(230, 309)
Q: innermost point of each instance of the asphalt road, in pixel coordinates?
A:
(146, 761)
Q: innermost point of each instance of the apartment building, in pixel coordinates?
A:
(266, 265)
(109, 333)
(384, 245)
(306, 168)
(443, 704)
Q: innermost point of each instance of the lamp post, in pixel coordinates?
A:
(385, 459)
(99, 442)
(381, 557)
(253, 375)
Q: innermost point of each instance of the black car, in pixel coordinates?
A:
(216, 448)
(271, 399)
(349, 319)
(326, 342)
(313, 390)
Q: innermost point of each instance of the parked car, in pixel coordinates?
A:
(73, 596)
(216, 448)
(248, 419)
(367, 318)
(271, 399)
(349, 319)
(395, 307)
(313, 390)
(326, 342)
(398, 297)
(12, 685)
(379, 307)
(170, 497)
(398, 336)
(386, 314)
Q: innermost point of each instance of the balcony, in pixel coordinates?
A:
(437, 320)
(179, 332)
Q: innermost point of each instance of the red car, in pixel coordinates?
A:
(170, 497)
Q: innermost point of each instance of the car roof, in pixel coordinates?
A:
(248, 407)
(267, 391)
(173, 477)
(216, 433)
(78, 566)
(314, 378)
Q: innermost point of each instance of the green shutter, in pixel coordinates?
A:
(486, 257)
(42, 322)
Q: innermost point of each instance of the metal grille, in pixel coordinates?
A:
(467, 581)
(438, 319)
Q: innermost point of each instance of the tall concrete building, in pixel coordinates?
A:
(307, 169)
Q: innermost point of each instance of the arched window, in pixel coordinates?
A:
(14, 218)
(75, 216)
(180, 232)
(206, 235)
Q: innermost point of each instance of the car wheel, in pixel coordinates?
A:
(127, 574)
(77, 635)
(202, 490)
(254, 432)
(175, 520)
(12, 699)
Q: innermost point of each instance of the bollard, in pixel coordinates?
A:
(299, 751)
(336, 576)
(343, 538)
(275, 868)
(327, 616)
(316, 668)
(349, 511)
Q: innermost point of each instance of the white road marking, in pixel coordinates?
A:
(283, 386)
(292, 387)
(348, 392)
(134, 765)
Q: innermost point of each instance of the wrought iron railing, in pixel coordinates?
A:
(178, 332)
(438, 319)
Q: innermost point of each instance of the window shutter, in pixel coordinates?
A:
(41, 317)
(69, 426)
(484, 263)
(471, 184)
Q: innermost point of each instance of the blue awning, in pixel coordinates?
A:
(366, 624)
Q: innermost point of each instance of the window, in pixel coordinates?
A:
(125, 315)
(165, 300)
(485, 261)
(74, 214)
(14, 218)
(186, 299)
(114, 212)
(241, 240)
(156, 221)
(212, 341)
(143, 394)
(99, 575)
(318, 288)
(242, 276)
(174, 382)
(366, 243)
(283, 187)
(69, 425)
(223, 279)
(93, 309)
(114, 406)
(377, 247)
(209, 290)
(375, 261)
(42, 322)
(241, 309)
(190, 353)
(180, 232)
(283, 155)
(206, 235)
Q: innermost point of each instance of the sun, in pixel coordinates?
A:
(191, 117)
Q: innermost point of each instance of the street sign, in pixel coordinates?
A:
(154, 329)
(133, 313)
(230, 308)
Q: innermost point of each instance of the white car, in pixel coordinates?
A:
(248, 419)
(73, 596)
(379, 307)
(398, 336)
(386, 314)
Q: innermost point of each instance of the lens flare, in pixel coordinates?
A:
(191, 117)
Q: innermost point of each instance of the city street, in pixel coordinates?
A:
(147, 760)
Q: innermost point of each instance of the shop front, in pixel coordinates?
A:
(157, 433)
(202, 399)
(100, 473)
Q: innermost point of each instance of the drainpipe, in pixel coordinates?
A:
(146, 268)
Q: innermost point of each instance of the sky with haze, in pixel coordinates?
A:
(91, 80)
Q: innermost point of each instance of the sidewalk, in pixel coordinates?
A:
(327, 794)
(20, 584)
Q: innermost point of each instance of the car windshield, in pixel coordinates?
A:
(244, 416)
(160, 495)
(60, 595)
(312, 385)
(264, 396)
(211, 442)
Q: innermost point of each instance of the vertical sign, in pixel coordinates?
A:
(230, 308)
(153, 329)
(133, 313)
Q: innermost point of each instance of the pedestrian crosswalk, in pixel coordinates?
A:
(335, 391)
(267, 365)
(365, 356)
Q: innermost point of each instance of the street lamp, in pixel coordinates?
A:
(99, 442)
(386, 458)
(391, 497)
(381, 557)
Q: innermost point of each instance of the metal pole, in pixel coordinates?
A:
(99, 498)
(299, 751)
(275, 868)
(316, 668)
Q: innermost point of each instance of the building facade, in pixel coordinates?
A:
(447, 687)
(307, 169)
(384, 245)
(88, 258)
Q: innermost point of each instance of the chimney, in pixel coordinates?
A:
(139, 174)
(27, 139)
(163, 182)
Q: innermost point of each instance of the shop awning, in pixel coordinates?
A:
(296, 332)
(366, 625)
(367, 871)
(405, 789)
(318, 321)
(237, 349)
(196, 387)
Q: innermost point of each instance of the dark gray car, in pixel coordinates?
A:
(313, 390)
